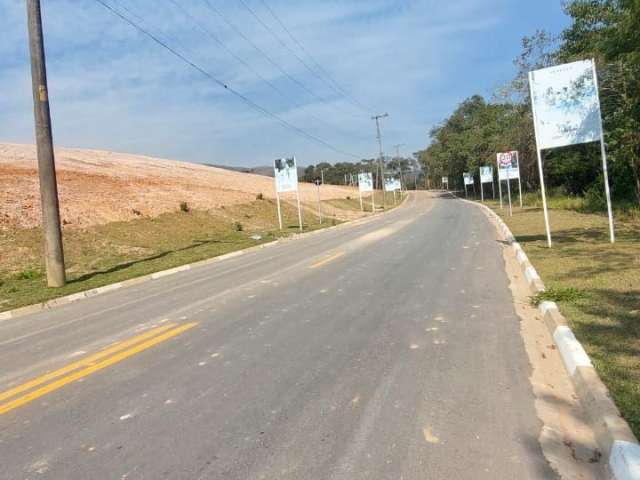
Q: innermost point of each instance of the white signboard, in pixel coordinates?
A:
(391, 184)
(445, 180)
(365, 182)
(468, 178)
(566, 105)
(486, 174)
(508, 166)
(286, 175)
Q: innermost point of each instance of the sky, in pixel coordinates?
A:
(112, 87)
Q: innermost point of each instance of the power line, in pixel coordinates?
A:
(281, 42)
(336, 85)
(217, 40)
(263, 53)
(220, 83)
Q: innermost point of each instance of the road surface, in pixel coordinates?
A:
(384, 350)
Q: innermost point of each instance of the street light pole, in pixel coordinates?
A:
(53, 248)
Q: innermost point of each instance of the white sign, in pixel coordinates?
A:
(445, 180)
(365, 182)
(468, 178)
(391, 184)
(486, 174)
(508, 166)
(566, 104)
(286, 174)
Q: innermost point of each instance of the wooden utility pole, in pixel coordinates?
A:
(53, 250)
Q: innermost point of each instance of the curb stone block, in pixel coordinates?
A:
(625, 460)
(571, 351)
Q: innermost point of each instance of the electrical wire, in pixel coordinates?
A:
(222, 84)
(240, 60)
(336, 86)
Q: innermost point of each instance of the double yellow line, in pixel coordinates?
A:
(52, 381)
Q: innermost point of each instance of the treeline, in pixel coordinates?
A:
(606, 30)
(345, 173)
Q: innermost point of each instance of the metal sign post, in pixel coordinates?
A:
(558, 122)
(286, 180)
(299, 209)
(279, 212)
(603, 151)
(509, 190)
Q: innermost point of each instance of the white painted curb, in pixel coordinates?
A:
(625, 460)
(571, 351)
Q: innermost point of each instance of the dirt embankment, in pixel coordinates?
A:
(97, 187)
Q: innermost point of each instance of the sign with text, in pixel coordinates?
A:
(468, 178)
(566, 105)
(486, 174)
(286, 174)
(508, 166)
(365, 182)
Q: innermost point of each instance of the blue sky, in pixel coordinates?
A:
(113, 88)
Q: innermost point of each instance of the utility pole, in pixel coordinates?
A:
(54, 254)
(381, 158)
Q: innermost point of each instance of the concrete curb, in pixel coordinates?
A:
(74, 297)
(613, 434)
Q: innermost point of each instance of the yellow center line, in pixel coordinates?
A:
(327, 260)
(83, 362)
(118, 357)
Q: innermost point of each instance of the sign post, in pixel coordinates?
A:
(508, 169)
(365, 185)
(565, 103)
(286, 180)
(486, 176)
(445, 181)
(468, 180)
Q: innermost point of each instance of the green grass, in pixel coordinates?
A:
(105, 254)
(597, 287)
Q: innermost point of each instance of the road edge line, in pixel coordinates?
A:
(617, 442)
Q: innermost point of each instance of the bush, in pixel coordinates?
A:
(238, 226)
(260, 196)
(594, 199)
(348, 197)
(184, 207)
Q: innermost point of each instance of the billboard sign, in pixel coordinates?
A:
(468, 178)
(365, 182)
(566, 105)
(486, 174)
(508, 166)
(286, 174)
(391, 184)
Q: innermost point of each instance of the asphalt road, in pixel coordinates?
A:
(385, 350)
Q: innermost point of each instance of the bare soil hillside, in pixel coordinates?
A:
(98, 187)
